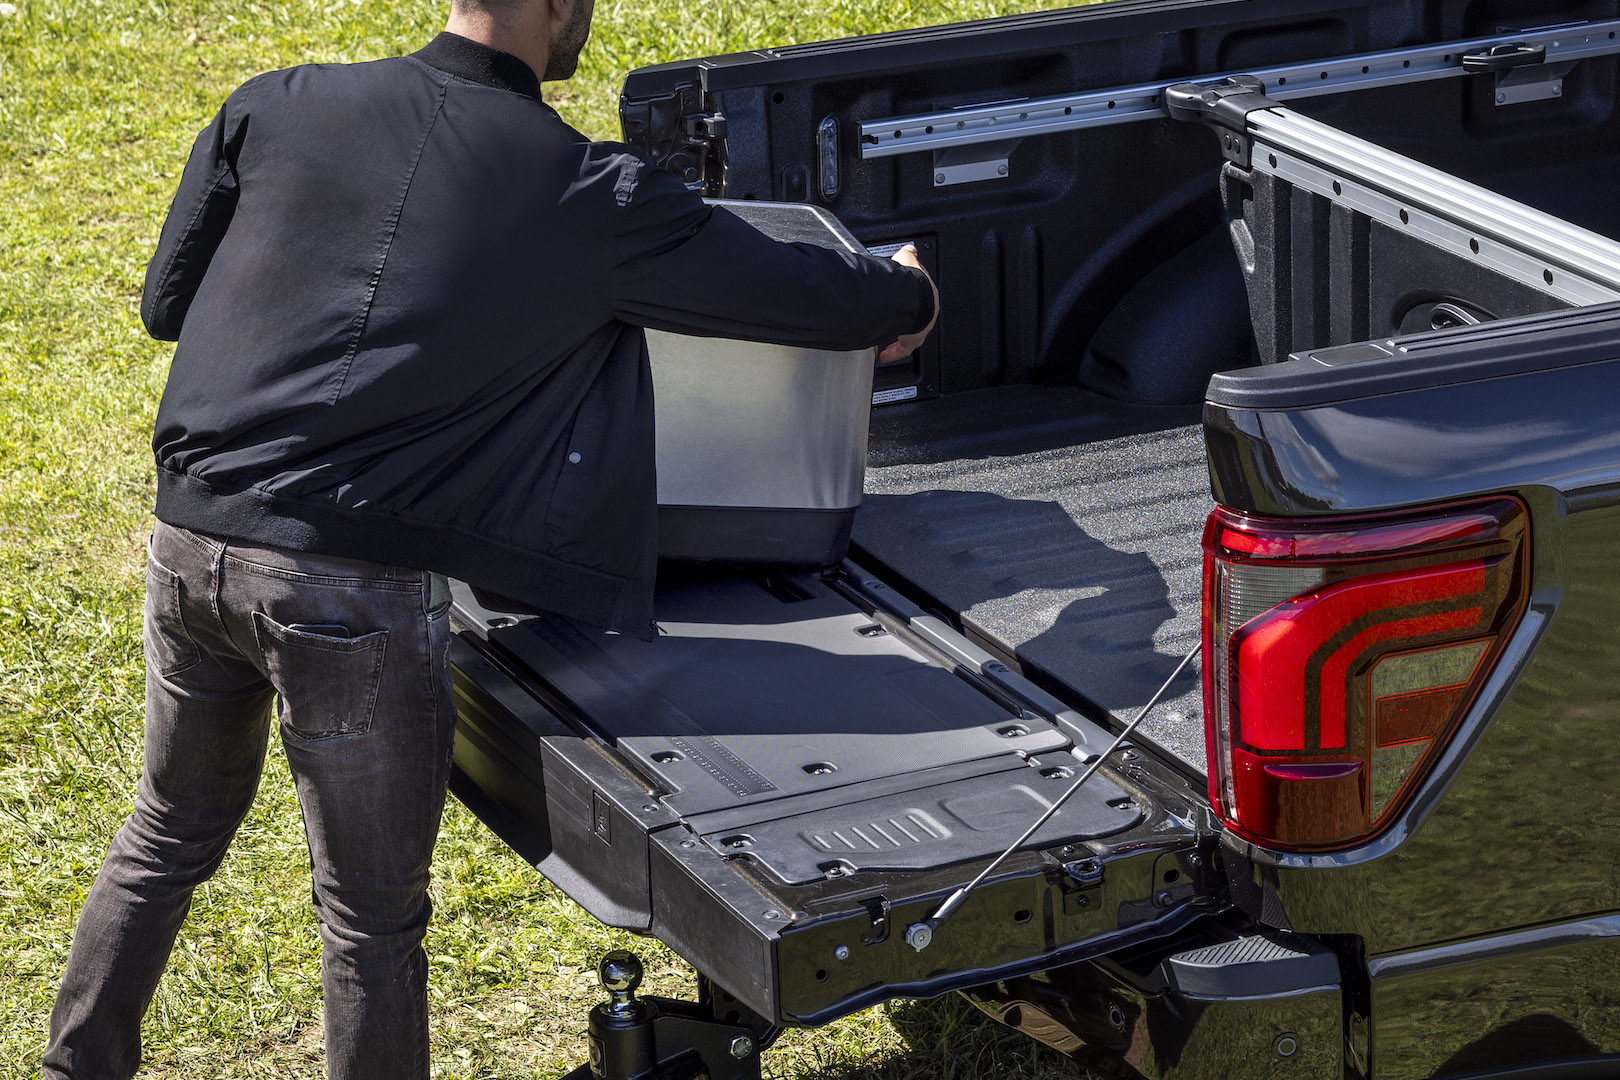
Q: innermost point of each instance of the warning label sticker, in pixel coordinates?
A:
(889, 397)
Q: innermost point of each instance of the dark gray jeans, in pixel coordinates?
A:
(358, 654)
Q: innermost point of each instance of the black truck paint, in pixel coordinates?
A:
(1093, 307)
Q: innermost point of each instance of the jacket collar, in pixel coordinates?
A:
(476, 62)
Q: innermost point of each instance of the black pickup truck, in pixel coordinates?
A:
(1284, 334)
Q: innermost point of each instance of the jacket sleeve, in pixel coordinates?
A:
(680, 265)
(201, 212)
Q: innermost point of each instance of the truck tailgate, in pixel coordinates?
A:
(797, 768)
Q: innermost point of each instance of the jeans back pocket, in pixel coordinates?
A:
(328, 685)
(169, 648)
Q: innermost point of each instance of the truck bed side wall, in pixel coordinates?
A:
(1517, 828)
(1083, 264)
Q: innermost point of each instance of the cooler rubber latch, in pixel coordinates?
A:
(1225, 107)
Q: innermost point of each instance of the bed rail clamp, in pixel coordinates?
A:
(1224, 107)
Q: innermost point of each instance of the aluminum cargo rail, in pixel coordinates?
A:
(1509, 238)
(996, 122)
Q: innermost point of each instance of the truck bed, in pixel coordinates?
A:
(1062, 530)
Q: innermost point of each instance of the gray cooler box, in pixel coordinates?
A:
(761, 448)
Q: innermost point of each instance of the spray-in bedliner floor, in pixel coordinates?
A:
(1061, 527)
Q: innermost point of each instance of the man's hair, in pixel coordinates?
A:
(489, 7)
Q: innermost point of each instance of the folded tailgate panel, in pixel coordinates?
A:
(785, 778)
(750, 696)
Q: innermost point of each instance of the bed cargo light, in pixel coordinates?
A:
(1341, 654)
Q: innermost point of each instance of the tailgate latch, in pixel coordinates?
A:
(683, 133)
(877, 909)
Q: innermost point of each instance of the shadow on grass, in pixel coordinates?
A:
(948, 1039)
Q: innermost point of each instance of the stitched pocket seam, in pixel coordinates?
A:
(267, 630)
(168, 600)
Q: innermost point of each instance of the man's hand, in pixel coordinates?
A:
(909, 343)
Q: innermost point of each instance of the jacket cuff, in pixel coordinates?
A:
(925, 299)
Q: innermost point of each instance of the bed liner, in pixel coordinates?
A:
(1062, 531)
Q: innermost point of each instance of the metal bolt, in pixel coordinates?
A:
(741, 1047)
(772, 914)
(939, 178)
(1001, 170)
(1501, 99)
(842, 952)
(1163, 898)
(1286, 1045)
(919, 935)
(1558, 88)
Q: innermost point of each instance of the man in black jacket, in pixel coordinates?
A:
(409, 302)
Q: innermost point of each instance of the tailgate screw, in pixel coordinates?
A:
(939, 178)
(1286, 1045)
(1501, 99)
(741, 1047)
(842, 952)
(1001, 170)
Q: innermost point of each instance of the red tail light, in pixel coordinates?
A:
(1340, 654)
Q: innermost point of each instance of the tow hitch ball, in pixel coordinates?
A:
(657, 1038)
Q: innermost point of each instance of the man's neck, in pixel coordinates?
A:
(525, 35)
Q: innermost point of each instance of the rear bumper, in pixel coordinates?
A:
(1252, 1006)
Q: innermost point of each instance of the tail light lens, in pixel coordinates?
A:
(1340, 655)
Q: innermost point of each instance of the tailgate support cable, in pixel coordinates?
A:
(920, 934)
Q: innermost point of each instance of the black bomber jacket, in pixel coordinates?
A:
(409, 302)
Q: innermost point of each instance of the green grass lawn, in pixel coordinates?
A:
(99, 102)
